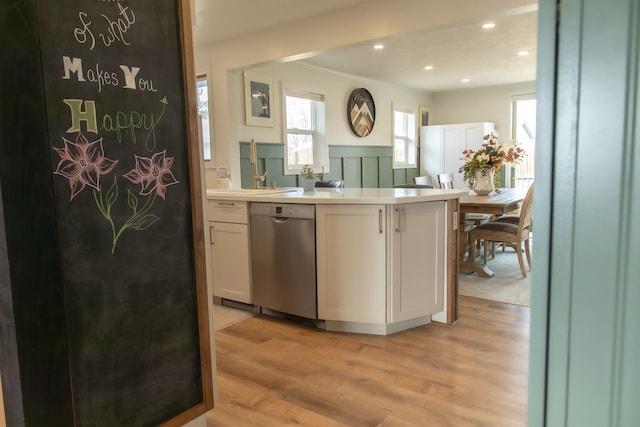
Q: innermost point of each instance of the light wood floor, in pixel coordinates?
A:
(273, 372)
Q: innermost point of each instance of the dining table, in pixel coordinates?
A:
(497, 203)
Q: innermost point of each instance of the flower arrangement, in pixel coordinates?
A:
(491, 157)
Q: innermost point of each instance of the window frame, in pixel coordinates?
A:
(204, 77)
(515, 98)
(410, 144)
(320, 152)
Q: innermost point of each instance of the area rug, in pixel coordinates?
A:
(507, 285)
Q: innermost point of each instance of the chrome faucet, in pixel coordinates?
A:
(252, 159)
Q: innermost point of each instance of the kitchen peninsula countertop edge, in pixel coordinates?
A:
(364, 196)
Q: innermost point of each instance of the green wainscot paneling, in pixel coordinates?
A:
(358, 166)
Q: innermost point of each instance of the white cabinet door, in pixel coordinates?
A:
(351, 259)
(441, 148)
(418, 260)
(231, 270)
(454, 143)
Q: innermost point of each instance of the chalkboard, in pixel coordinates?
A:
(120, 163)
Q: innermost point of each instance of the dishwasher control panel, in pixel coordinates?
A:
(283, 210)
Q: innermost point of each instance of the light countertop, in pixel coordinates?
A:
(337, 196)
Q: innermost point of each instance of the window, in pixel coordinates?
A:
(203, 114)
(304, 129)
(523, 130)
(404, 137)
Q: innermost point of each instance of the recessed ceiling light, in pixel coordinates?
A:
(488, 25)
(378, 46)
(523, 53)
(465, 80)
(429, 67)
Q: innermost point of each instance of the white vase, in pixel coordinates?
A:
(483, 183)
(308, 184)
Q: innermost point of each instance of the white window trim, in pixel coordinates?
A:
(204, 78)
(515, 97)
(320, 149)
(410, 144)
(209, 163)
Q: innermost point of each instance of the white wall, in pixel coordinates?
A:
(336, 89)
(488, 104)
(349, 26)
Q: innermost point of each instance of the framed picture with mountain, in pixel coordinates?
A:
(361, 112)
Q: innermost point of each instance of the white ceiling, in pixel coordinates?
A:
(222, 19)
(485, 57)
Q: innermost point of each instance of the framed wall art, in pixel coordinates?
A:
(423, 117)
(361, 112)
(258, 94)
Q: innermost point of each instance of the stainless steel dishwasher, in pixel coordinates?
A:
(283, 258)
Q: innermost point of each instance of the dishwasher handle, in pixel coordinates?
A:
(280, 219)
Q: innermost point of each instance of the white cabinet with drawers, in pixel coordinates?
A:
(229, 239)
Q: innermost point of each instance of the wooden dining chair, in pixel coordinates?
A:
(413, 186)
(514, 235)
(422, 180)
(512, 218)
(445, 181)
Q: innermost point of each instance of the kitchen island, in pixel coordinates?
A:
(386, 258)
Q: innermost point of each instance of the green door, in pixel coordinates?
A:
(585, 341)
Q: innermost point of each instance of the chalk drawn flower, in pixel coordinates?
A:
(153, 174)
(82, 162)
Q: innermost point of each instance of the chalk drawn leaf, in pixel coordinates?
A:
(132, 201)
(112, 193)
(82, 162)
(144, 222)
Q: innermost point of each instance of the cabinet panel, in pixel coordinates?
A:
(441, 147)
(231, 270)
(453, 144)
(351, 260)
(228, 211)
(418, 260)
